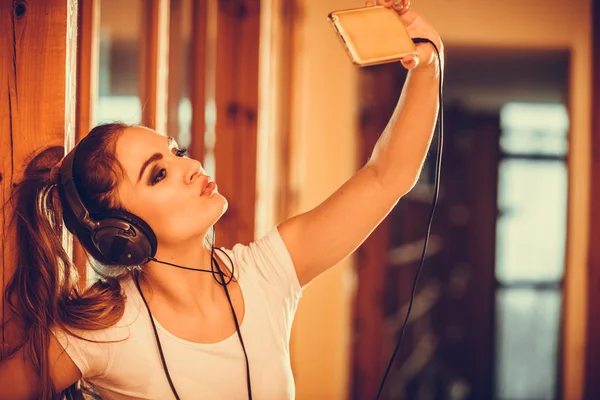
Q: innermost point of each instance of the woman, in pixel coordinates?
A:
(163, 329)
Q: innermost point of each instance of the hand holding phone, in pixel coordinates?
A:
(372, 35)
(381, 34)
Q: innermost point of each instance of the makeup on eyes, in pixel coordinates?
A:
(158, 173)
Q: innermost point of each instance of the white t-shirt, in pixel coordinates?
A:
(131, 367)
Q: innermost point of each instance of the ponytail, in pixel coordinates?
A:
(44, 292)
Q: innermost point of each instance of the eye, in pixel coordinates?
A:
(158, 176)
(180, 152)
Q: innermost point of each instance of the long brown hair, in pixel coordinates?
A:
(43, 292)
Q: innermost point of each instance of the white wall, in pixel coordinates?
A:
(324, 130)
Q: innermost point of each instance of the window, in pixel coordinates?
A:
(119, 59)
(530, 249)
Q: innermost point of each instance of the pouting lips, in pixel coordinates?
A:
(209, 189)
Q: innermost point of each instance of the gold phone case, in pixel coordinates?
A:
(372, 35)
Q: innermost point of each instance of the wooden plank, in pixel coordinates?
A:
(368, 364)
(154, 62)
(198, 73)
(424, 302)
(87, 65)
(407, 253)
(483, 210)
(176, 50)
(422, 354)
(287, 40)
(37, 100)
(367, 353)
(87, 91)
(237, 109)
(592, 353)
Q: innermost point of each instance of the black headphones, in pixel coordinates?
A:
(114, 237)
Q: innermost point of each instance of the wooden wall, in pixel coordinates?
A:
(37, 99)
(592, 362)
(236, 98)
(49, 70)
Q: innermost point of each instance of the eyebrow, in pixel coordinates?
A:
(153, 158)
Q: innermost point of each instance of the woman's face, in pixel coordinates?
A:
(171, 193)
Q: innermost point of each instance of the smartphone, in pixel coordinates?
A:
(372, 35)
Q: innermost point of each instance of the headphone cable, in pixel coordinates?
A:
(438, 168)
(215, 270)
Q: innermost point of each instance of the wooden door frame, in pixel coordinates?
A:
(39, 42)
(236, 99)
(592, 352)
(88, 53)
(154, 63)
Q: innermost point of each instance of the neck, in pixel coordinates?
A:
(185, 287)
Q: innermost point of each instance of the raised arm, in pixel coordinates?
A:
(324, 236)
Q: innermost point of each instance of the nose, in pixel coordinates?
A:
(194, 171)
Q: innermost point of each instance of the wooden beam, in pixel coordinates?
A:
(425, 300)
(592, 353)
(237, 109)
(407, 253)
(377, 93)
(154, 61)
(176, 51)
(87, 65)
(37, 102)
(87, 91)
(481, 201)
(277, 190)
(288, 47)
(198, 75)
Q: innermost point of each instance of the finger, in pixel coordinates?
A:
(407, 15)
(410, 61)
(402, 7)
(369, 4)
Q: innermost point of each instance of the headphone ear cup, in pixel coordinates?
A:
(124, 239)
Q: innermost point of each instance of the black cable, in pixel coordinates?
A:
(438, 168)
(211, 271)
(160, 350)
(235, 320)
(181, 266)
(237, 326)
(215, 270)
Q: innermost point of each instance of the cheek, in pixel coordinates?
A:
(175, 217)
(179, 222)
(161, 215)
(173, 227)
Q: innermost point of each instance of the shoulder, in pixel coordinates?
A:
(267, 259)
(268, 249)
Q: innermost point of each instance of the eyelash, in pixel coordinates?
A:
(162, 173)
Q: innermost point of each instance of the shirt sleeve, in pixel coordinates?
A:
(90, 352)
(269, 258)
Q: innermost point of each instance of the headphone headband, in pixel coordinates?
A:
(67, 183)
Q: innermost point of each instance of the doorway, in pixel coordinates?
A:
(486, 322)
